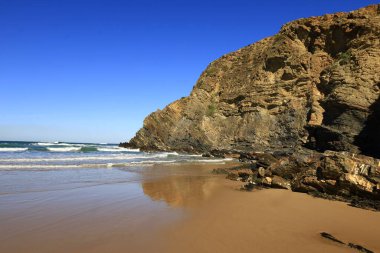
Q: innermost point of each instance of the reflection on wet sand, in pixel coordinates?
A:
(180, 191)
(97, 210)
(185, 185)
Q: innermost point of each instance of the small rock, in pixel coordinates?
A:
(267, 181)
(253, 165)
(351, 245)
(281, 183)
(233, 176)
(268, 173)
(365, 204)
(265, 159)
(298, 186)
(357, 182)
(244, 176)
(330, 237)
(220, 171)
(261, 172)
(359, 248)
(250, 186)
(232, 155)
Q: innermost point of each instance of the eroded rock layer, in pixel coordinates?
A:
(315, 83)
(333, 175)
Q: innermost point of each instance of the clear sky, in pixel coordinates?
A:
(91, 70)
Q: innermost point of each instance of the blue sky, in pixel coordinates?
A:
(91, 70)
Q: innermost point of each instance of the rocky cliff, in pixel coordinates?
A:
(316, 83)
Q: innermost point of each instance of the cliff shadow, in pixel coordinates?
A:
(368, 140)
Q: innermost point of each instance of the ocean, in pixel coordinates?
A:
(20, 155)
(84, 193)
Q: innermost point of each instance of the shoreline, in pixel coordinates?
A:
(351, 177)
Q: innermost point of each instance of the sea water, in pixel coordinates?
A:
(64, 155)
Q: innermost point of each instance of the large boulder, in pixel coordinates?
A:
(335, 175)
(341, 173)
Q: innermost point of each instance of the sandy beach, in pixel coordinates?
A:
(190, 126)
(169, 208)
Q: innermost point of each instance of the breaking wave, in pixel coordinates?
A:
(68, 149)
(13, 149)
(118, 150)
(59, 155)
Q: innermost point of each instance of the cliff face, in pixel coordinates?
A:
(315, 83)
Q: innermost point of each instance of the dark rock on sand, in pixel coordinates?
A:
(365, 203)
(261, 172)
(331, 237)
(281, 183)
(334, 175)
(239, 173)
(351, 245)
(233, 176)
(249, 187)
(359, 248)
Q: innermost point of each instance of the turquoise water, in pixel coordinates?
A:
(64, 155)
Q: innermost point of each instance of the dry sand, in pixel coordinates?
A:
(177, 209)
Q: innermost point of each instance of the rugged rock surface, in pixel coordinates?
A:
(334, 175)
(315, 83)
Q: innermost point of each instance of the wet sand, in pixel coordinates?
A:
(173, 208)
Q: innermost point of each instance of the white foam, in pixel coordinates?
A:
(44, 144)
(51, 166)
(166, 154)
(69, 144)
(119, 156)
(68, 149)
(13, 149)
(154, 161)
(56, 143)
(81, 158)
(118, 149)
(100, 165)
(171, 153)
(36, 166)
